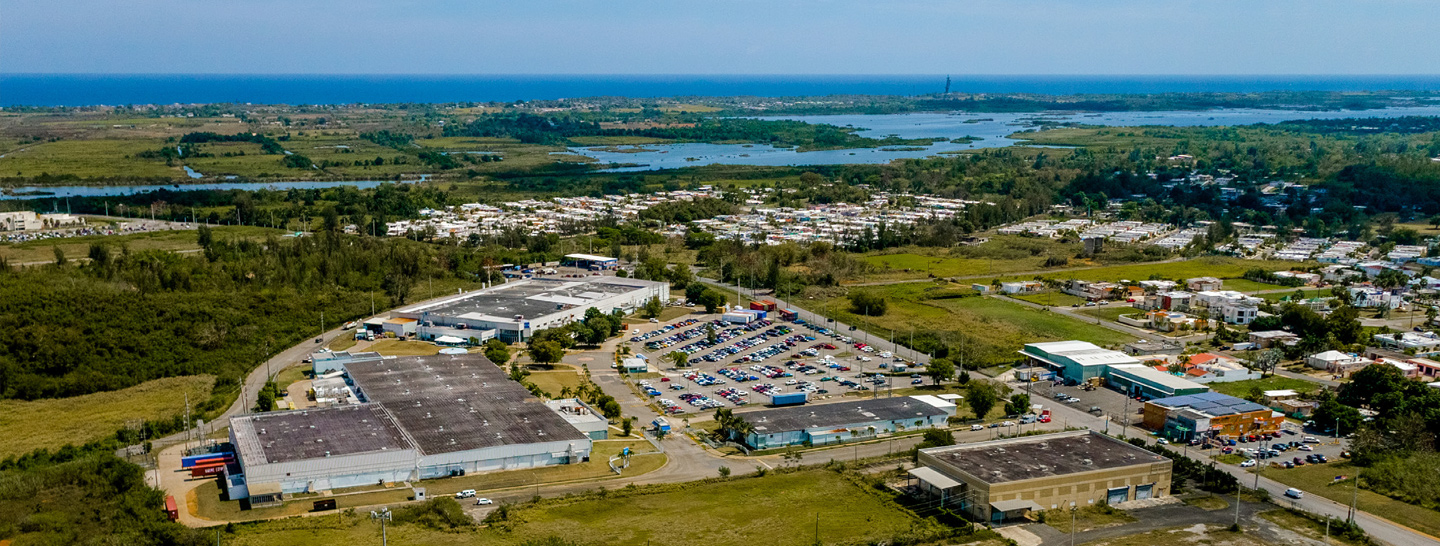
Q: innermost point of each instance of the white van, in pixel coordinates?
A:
(465, 494)
(977, 427)
(1294, 493)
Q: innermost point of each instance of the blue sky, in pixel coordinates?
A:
(731, 37)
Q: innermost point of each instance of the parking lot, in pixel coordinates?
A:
(1290, 445)
(733, 365)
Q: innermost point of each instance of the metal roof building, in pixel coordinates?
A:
(515, 310)
(1145, 381)
(821, 424)
(1002, 479)
(1210, 414)
(1075, 360)
(420, 417)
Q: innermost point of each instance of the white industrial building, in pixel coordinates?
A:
(419, 418)
(515, 310)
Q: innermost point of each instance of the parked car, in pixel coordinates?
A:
(977, 427)
(482, 501)
(465, 494)
(1248, 463)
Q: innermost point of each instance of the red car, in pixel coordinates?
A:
(664, 379)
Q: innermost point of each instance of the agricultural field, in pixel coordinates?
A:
(97, 158)
(52, 423)
(738, 512)
(1052, 298)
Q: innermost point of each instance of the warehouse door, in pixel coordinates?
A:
(1143, 491)
(1118, 495)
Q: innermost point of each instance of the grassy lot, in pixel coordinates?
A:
(26, 426)
(79, 247)
(95, 158)
(288, 376)
(395, 347)
(666, 315)
(1311, 293)
(1211, 503)
(342, 343)
(1110, 312)
(1215, 535)
(918, 265)
(553, 382)
(1247, 285)
(208, 504)
(1211, 266)
(1087, 518)
(1272, 383)
(1232, 458)
(738, 511)
(1304, 526)
(1052, 298)
(1319, 480)
(992, 328)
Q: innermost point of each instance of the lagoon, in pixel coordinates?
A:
(993, 129)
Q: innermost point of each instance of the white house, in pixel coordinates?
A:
(1337, 362)
(1200, 284)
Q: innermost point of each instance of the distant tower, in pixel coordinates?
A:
(947, 84)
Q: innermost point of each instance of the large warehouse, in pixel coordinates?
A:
(515, 310)
(1079, 361)
(420, 417)
(822, 424)
(1001, 480)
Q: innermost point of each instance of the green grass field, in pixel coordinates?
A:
(1310, 293)
(993, 327)
(1110, 312)
(553, 382)
(96, 158)
(395, 347)
(1273, 383)
(78, 247)
(1319, 480)
(777, 509)
(1210, 266)
(895, 265)
(1247, 285)
(27, 426)
(1052, 298)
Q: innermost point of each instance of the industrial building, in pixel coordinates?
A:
(1002, 480)
(515, 310)
(418, 418)
(1210, 415)
(589, 261)
(1079, 362)
(844, 421)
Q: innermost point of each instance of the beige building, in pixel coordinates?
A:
(1001, 480)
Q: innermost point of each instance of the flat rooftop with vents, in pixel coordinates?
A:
(1042, 456)
(419, 417)
(863, 419)
(517, 308)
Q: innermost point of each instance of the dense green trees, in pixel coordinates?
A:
(131, 316)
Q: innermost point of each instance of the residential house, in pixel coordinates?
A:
(1421, 343)
(1407, 369)
(1338, 363)
(1266, 339)
(1022, 287)
(1200, 284)
(1157, 285)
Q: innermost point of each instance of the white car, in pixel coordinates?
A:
(1304, 447)
(1248, 463)
(1294, 493)
(1162, 441)
(1008, 424)
(977, 427)
(465, 494)
(483, 500)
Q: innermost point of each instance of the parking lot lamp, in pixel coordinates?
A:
(1072, 523)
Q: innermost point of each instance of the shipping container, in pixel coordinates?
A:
(195, 460)
(789, 398)
(762, 305)
(738, 317)
(789, 314)
(171, 510)
(209, 470)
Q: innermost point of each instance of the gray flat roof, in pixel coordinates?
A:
(1030, 457)
(772, 421)
(310, 434)
(449, 403)
(531, 298)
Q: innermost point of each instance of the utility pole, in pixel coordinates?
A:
(383, 516)
(1072, 523)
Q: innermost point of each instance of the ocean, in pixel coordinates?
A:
(116, 89)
